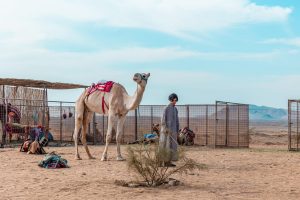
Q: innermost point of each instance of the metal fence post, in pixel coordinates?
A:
(248, 131)
(227, 125)
(61, 124)
(188, 116)
(136, 125)
(216, 123)
(151, 109)
(206, 125)
(238, 126)
(289, 125)
(297, 126)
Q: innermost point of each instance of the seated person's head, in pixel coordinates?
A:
(11, 114)
(155, 128)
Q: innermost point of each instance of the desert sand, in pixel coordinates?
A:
(260, 172)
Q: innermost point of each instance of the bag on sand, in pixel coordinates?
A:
(53, 161)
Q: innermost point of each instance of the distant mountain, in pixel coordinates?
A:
(264, 113)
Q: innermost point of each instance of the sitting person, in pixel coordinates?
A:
(155, 128)
(149, 137)
(186, 137)
(34, 147)
(37, 133)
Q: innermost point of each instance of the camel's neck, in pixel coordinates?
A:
(134, 101)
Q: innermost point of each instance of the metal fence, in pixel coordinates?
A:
(232, 128)
(293, 125)
(220, 125)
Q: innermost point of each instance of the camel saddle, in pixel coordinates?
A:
(102, 87)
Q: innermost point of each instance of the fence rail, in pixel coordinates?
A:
(219, 125)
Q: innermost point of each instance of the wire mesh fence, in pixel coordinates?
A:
(62, 120)
(232, 124)
(219, 125)
(293, 125)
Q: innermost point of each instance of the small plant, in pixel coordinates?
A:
(147, 162)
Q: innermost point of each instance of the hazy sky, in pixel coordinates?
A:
(234, 50)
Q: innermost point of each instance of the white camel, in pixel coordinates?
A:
(116, 104)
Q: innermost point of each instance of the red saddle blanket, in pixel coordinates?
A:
(102, 87)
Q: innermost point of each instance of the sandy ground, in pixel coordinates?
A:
(260, 172)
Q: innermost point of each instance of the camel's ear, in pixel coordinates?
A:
(148, 74)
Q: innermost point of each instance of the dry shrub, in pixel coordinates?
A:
(146, 161)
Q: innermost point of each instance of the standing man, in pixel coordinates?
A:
(169, 131)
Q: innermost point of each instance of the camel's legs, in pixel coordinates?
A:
(85, 124)
(111, 122)
(120, 126)
(78, 123)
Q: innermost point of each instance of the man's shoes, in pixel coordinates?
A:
(169, 164)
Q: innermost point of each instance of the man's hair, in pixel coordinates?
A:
(173, 96)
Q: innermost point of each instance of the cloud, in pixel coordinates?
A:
(281, 83)
(84, 68)
(26, 22)
(284, 41)
(42, 57)
(24, 25)
(31, 58)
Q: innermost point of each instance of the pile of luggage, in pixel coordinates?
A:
(53, 161)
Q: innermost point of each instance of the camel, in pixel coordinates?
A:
(117, 103)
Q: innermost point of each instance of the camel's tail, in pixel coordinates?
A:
(80, 109)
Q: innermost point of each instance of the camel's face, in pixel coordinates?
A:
(141, 79)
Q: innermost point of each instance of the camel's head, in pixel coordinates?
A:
(141, 79)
